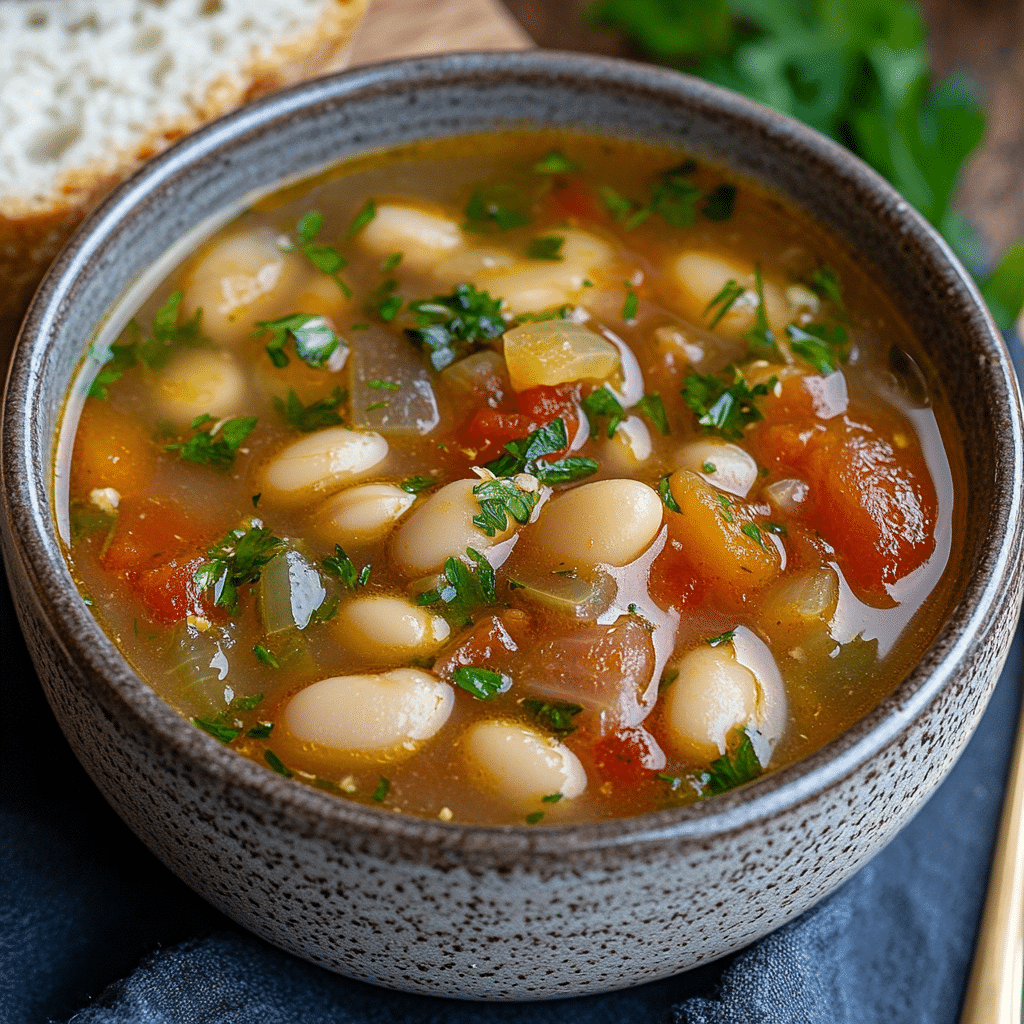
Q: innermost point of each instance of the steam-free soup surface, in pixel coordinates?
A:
(529, 478)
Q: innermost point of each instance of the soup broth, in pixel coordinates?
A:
(529, 478)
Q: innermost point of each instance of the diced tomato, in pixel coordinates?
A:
(628, 756)
(673, 583)
(574, 201)
(870, 494)
(170, 590)
(490, 430)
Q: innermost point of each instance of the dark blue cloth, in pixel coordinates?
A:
(95, 930)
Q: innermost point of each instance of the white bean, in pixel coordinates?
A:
(362, 514)
(545, 284)
(200, 381)
(386, 628)
(463, 264)
(421, 237)
(698, 277)
(607, 521)
(242, 278)
(322, 461)
(629, 446)
(443, 527)
(523, 765)
(724, 465)
(712, 695)
(370, 714)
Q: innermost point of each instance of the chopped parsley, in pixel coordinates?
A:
(752, 531)
(553, 715)
(384, 385)
(534, 817)
(526, 455)
(720, 203)
(383, 301)
(277, 764)
(551, 798)
(323, 413)
(601, 403)
(673, 196)
(415, 484)
(461, 589)
(665, 491)
(546, 247)
(382, 790)
(482, 683)
(822, 346)
(314, 340)
(325, 258)
(342, 567)
(218, 729)
(721, 303)
(776, 528)
(452, 326)
(236, 561)
(390, 262)
(653, 408)
(722, 638)
(824, 282)
(206, 448)
(265, 655)
(500, 207)
(498, 499)
(261, 731)
(760, 337)
(723, 407)
(631, 304)
(732, 769)
(363, 216)
(555, 162)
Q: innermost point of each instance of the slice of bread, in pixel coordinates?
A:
(91, 88)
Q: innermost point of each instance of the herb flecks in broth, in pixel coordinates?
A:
(579, 494)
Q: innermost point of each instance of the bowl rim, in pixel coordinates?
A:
(30, 533)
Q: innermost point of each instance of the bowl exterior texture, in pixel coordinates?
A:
(519, 912)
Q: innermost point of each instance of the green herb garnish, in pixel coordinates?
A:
(314, 340)
(325, 258)
(555, 162)
(720, 203)
(526, 455)
(498, 206)
(341, 566)
(261, 731)
(723, 407)
(216, 446)
(822, 346)
(667, 498)
(218, 730)
(723, 302)
(415, 484)
(722, 638)
(462, 590)
(760, 337)
(482, 683)
(236, 561)
(323, 413)
(265, 655)
(733, 768)
(363, 216)
(277, 764)
(653, 408)
(453, 326)
(601, 403)
(553, 715)
(382, 790)
(631, 305)
(546, 247)
(499, 499)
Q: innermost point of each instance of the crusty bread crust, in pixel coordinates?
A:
(32, 231)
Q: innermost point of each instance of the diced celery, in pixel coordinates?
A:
(583, 597)
(290, 590)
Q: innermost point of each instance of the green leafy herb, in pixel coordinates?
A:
(206, 448)
(752, 531)
(325, 258)
(384, 385)
(760, 337)
(261, 731)
(723, 407)
(723, 302)
(277, 764)
(390, 262)
(534, 817)
(87, 519)
(674, 781)
(555, 162)
(673, 196)
(314, 340)
(383, 301)
(722, 638)
(499, 499)
(266, 656)
(382, 790)
(733, 769)
(377, 405)
(453, 326)
(553, 715)
(482, 683)
(551, 798)
(249, 703)
(667, 497)
(546, 247)
(217, 729)
(618, 206)
(653, 408)
(561, 313)
(363, 216)
(236, 561)
(499, 206)
(601, 403)
(462, 589)
(824, 282)
(630, 306)
(526, 455)
(341, 566)
(822, 346)
(415, 484)
(323, 413)
(720, 203)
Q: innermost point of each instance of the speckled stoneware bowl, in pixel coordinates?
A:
(511, 912)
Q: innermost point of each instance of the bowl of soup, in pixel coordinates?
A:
(511, 526)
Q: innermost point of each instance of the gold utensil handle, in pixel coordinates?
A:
(994, 991)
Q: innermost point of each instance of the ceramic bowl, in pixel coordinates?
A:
(508, 912)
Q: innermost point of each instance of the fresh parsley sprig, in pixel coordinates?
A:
(325, 258)
(723, 407)
(452, 326)
(236, 561)
(526, 455)
(462, 589)
(602, 404)
(316, 415)
(824, 347)
(482, 683)
(315, 341)
(216, 446)
(734, 768)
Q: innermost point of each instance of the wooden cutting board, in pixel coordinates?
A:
(406, 28)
